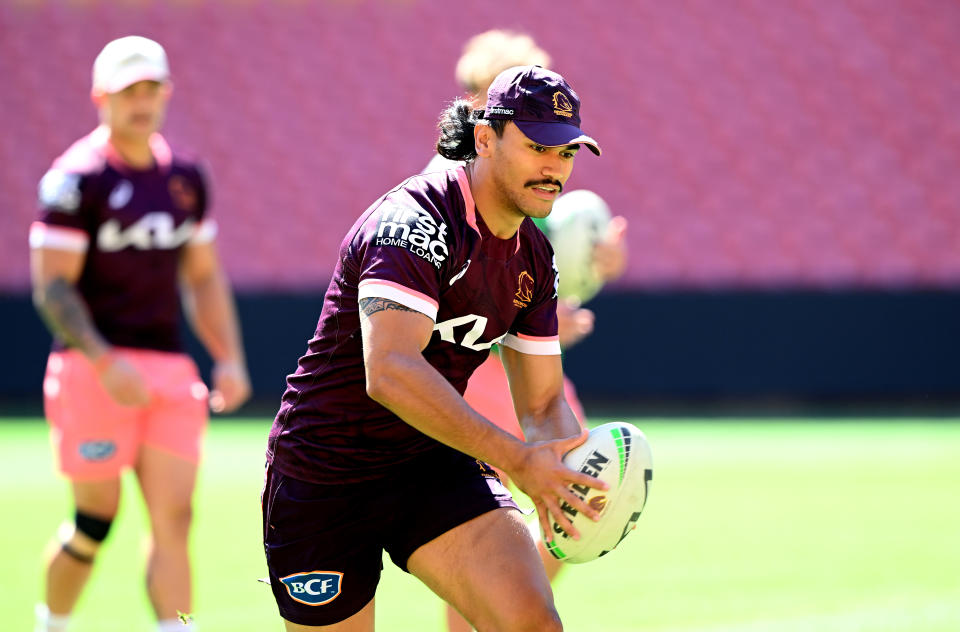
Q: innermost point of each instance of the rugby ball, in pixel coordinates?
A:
(617, 453)
(578, 221)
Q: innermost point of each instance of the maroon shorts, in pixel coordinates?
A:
(324, 543)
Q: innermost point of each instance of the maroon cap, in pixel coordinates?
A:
(541, 103)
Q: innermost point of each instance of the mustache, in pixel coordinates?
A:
(545, 181)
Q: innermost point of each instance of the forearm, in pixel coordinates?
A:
(212, 315)
(537, 388)
(555, 421)
(68, 318)
(412, 389)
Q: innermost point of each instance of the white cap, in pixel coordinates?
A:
(126, 61)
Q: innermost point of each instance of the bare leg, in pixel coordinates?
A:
(488, 569)
(66, 575)
(552, 566)
(363, 621)
(167, 482)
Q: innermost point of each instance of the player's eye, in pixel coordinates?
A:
(538, 148)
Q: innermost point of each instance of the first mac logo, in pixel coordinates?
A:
(314, 588)
(416, 230)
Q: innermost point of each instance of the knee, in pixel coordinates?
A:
(542, 619)
(82, 538)
(172, 522)
(535, 613)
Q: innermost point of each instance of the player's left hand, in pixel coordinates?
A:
(610, 255)
(231, 386)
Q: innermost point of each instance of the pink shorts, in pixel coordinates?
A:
(488, 393)
(95, 438)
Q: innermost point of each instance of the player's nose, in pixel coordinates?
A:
(554, 167)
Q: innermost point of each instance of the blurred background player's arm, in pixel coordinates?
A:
(610, 262)
(208, 302)
(54, 274)
(575, 323)
(610, 255)
(536, 384)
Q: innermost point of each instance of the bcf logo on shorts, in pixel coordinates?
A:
(314, 588)
(97, 450)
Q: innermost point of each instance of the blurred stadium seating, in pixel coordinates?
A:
(752, 144)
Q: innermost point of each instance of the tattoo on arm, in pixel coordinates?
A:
(67, 315)
(372, 305)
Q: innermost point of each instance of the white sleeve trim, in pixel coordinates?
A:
(58, 238)
(377, 288)
(533, 346)
(205, 232)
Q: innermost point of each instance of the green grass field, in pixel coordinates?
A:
(756, 526)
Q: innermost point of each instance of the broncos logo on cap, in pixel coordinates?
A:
(562, 105)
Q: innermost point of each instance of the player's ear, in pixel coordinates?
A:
(483, 140)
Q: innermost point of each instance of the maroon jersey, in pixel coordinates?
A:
(132, 225)
(422, 245)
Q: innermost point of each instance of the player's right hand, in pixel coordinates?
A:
(123, 381)
(542, 475)
(231, 386)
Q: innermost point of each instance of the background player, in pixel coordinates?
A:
(123, 226)
(484, 56)
(429, 278)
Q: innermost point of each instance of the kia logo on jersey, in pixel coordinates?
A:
(156, 230)
(314, 588)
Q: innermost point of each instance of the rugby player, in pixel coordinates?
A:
(484, 56)
(123, 228)
(432, 275)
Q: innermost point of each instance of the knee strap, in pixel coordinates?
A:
(94, 528)
(75, 554)
(91, 527)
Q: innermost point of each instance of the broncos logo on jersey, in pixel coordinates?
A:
(524, 290)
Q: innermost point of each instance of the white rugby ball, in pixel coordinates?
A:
(579, 220)
(617, 453)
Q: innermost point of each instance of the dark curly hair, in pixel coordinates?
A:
(456, 130)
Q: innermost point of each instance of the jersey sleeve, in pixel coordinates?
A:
(402, 250)
(535, 331)
(206, 228)
(62, 223)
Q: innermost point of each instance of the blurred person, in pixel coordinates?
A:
(123, 228)
(484, 56)
(374, 448)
